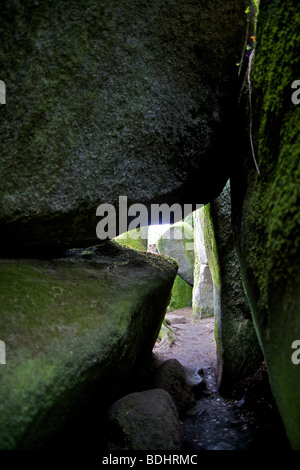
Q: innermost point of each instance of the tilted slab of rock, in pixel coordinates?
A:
(238, 351)
(108, 99)
(75, 328)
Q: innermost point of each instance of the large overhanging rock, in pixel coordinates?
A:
(111, 98)
(74, 328)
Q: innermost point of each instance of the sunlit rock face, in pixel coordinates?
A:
(203, 299)
(178, 243)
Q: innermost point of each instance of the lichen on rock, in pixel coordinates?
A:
(266, 207)
(75, 329)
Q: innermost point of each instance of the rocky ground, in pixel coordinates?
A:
(248, 420)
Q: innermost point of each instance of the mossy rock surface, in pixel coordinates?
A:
(109, 99)
(266, 207)
(238, 351)
(181, 296)
(75, 328)
(137, 239)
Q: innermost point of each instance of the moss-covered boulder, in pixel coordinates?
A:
(266, 206)
(75, 329)
(178, 243)
(137, 239)
(108, 99)
(181, 296)
(238, 351)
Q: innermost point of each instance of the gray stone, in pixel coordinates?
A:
(199, 236)
(175, 319)
(203, 293)
(195, 381)
(108, 99)
(178, 243)
(203, 300)
(145, 420)
(189, 219)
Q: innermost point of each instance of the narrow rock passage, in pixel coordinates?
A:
(249, 421)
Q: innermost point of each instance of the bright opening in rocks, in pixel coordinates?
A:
(154, 233)
(189, 319)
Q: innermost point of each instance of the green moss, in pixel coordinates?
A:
(181, 296)
(270, 236)
(272, 215)
(211, 246)
(133, 239)
(274, 203)
(217, 336)
(203, 312)
(70, 325)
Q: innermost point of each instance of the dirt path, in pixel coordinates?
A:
(249, 422)
(194, 341)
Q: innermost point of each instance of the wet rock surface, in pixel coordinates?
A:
(247, 420)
